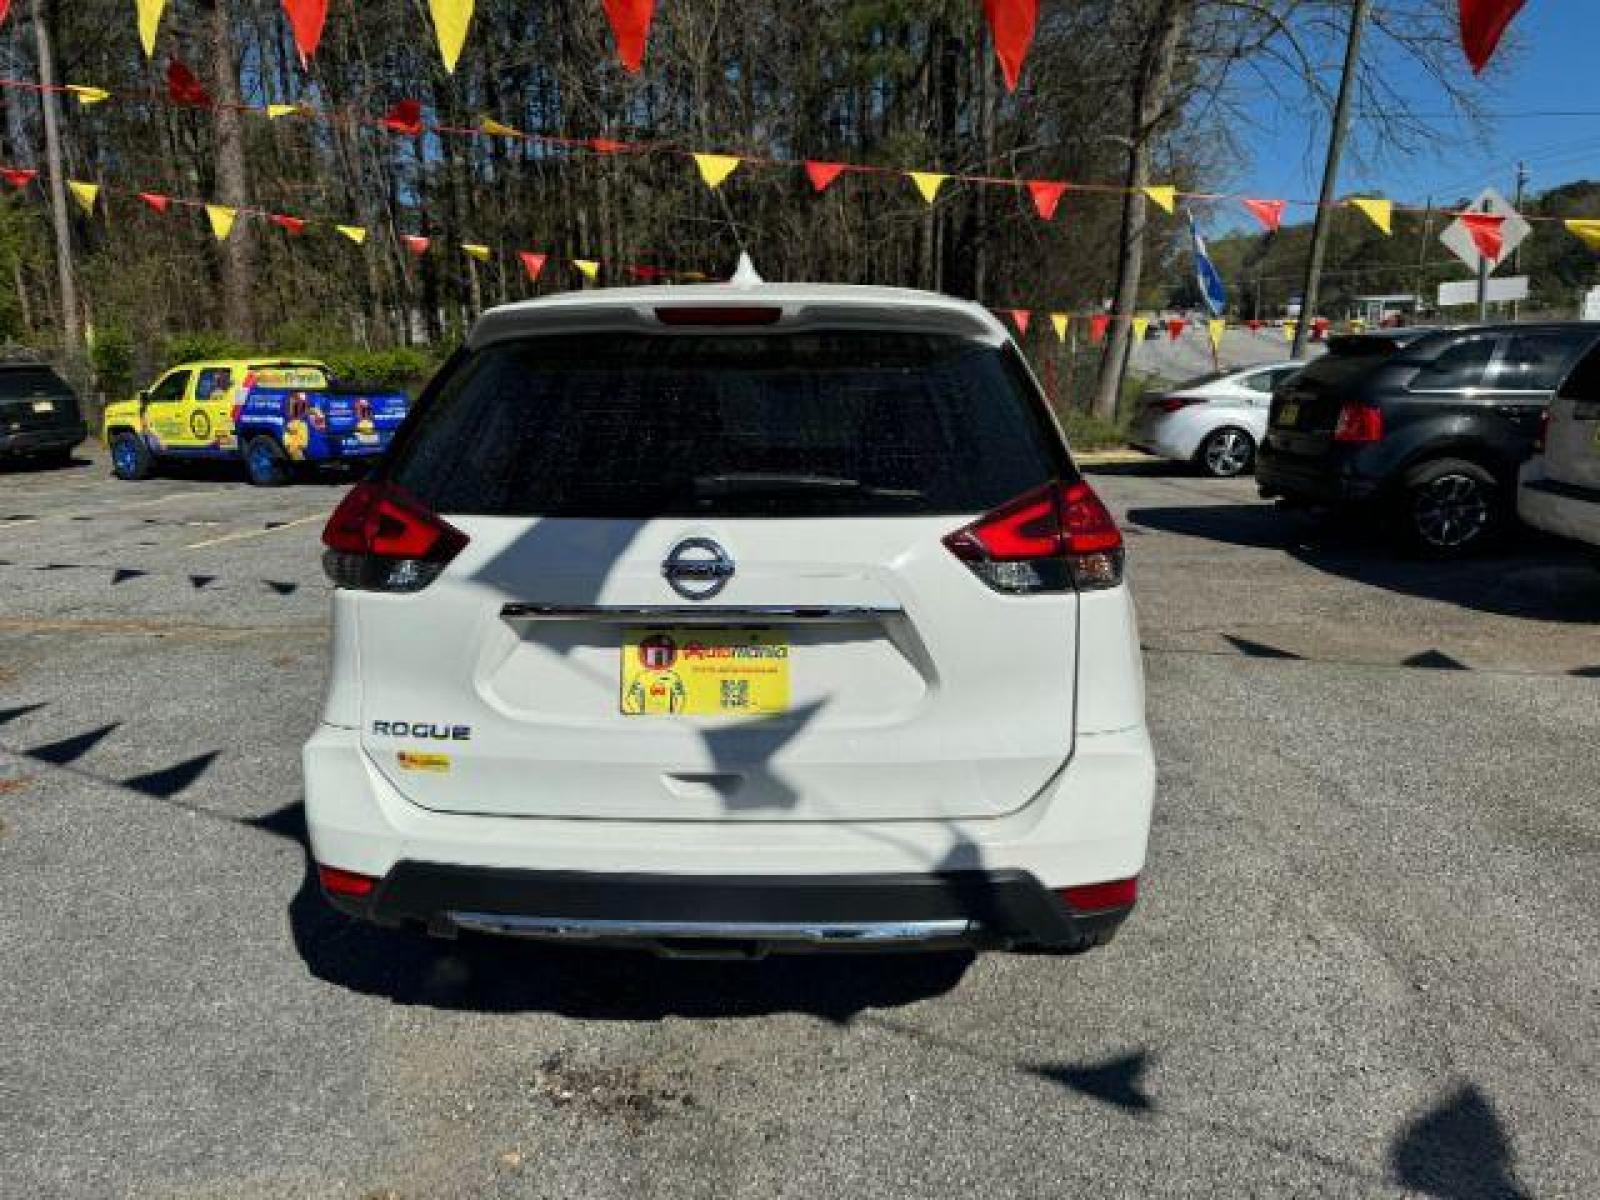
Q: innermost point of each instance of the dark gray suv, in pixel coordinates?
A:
(39, 414)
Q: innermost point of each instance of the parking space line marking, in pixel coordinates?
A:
(255, 533)
(116, 510)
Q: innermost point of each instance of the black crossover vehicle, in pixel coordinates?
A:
(39, 414)
(1429, 425)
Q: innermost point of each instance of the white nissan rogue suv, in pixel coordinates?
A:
(731, 618)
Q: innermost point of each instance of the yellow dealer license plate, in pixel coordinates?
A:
(1288, 415)
(705, 672)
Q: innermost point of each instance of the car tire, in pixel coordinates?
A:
(1451, 507)
(1227, 453)
(130, 457)
(265, 463)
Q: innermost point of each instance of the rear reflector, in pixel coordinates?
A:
(345, 883)
(383, 539)
(719, 315)
(1096, 897)
(1359, 423)
(1054, 539)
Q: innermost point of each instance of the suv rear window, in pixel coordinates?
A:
(1349, 358)
(31, 381)
(845, 423)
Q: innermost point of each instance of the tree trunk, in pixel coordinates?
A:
(233, 180)
(60, 217)
(1151, 87)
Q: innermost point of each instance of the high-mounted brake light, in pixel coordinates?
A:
(1359, 423)
(345, 883)
(720, 314)
(1056, 538)
(382, 539)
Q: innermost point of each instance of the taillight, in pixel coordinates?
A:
(1096, 897)
(1053, 539)
(1172, 404)
(1359, 423)
(382, 539)
(1540, 438)
(345, 883)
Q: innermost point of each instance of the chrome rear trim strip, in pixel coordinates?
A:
(701, 614)
(584, 929)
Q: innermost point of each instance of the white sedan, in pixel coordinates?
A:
(1215, 421)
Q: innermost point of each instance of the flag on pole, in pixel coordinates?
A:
(1212, 292)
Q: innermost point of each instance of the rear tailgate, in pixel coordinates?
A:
(1306, 409)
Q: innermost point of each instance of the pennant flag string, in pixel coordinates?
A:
(222, 219)
(306, 20)
(714, 168)
(149, 21)
(1011, 26)
(630, 27)
(451, 19)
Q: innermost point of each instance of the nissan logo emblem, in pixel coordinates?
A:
(697, 568)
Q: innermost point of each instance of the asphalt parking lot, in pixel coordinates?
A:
(1367, 961)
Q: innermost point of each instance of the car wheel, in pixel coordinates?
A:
(1452, 507)
(1226, 453)
(265, 462)
(130, 457)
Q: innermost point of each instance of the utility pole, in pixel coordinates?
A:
(71, 325)
(1516, 255)
(1330, 177)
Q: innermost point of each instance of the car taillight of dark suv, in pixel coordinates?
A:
(1428, 426)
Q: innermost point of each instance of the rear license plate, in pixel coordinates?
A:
(44, 405)
(1288, 415)
(704, 672)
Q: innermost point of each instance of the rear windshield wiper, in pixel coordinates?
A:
(739, 483)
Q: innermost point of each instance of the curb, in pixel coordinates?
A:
(1109, 458)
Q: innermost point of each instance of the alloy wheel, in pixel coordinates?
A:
(1450, 511)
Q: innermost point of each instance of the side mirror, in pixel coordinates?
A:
(144, 398)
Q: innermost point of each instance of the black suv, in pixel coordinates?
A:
(39, 414)
(1430, 424)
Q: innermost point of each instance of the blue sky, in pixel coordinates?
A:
(1549, 64)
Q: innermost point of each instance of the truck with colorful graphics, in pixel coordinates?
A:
(274, 415)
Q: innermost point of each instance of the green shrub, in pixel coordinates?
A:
(113, 356)
(405, 368)
(190, 347)
(1085, 431)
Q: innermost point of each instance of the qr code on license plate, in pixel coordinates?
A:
(735, 693)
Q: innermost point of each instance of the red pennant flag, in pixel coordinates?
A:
(306, 18)
(1268, 212)
(184, 88)
(607, 146)
(5, 9)
(1098, 324)
(1485, 230)
(1483, 22)
(18, 177)
(532, 263)
(1319, 328)
(822, 174)
(156, 200)
(417, 245)
(293, 226)
(1175, 328)
(1011, 25)
(1046, 196)
(405, 117)
(1253, 326)
(1021, 316)
(630, 25)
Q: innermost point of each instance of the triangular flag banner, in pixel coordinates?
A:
(1289, 330)
(532, 263)
(1379, 212)
(1268, 212)
(714, 168)
(416, 244)
(1485, 231)
(1046, 196)
(306, 19)
(608, 146)
(18, 177)
(496, 129)
(5, 9)
(88, 95)
(355, 233)
(1164, 195)
(274, 111)
(1058, 322)
(156, 200)
(927, 183)
(1214, 330)
(1098, 324)
(1483, 22)
(1253, 325)
(1588, 231)
(1021, 317)
(588, 266)
(221, 218)
(450, 21)
(630, 26)
(293, 226)
(184, 88)
(1140, 326)
(822, 174)
(476, 250)
(149, 19)
(404, 117)
(1175, 327)
(84, 194)
(1011, 24)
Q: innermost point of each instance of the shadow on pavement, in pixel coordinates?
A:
(43, 465)
(1117, 1082)
(1457, 1150)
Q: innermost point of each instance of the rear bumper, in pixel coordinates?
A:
(1331, 482)
(43, 441)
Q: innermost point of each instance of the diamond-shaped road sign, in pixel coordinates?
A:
(1458, 241)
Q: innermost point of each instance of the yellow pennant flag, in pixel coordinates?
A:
(714, 168)
(450, 21)
(221, 218)
(1379, 212)
(149, 19)
(1164, 195)
(1288, 330)
(85, 194)
(274, 111)
(495, 129)
(355, 233)
(475, 250)
(1141, 326)
(927, 183)
(588, 266)
(1214, 330)
(1058, 322)
(88, 95)
(1587, 231)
